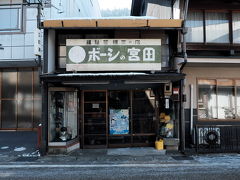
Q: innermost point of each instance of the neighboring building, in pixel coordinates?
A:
(212, 85)
(213, 75)
(112, 83)
(20, 107)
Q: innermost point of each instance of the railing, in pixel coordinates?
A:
(217, 138)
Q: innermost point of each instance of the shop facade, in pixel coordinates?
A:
(106, 86)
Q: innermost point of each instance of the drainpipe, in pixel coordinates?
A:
(184, 32)
(184, 49)
(191, 113)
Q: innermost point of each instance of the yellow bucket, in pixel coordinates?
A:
(159, 144)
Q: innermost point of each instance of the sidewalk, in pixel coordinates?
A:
(98, 156)
(121, 157)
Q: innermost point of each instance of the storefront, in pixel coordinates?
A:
(109, 87)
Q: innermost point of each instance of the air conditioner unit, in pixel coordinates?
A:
(209, 136)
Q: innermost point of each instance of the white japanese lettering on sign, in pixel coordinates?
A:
(110, 51)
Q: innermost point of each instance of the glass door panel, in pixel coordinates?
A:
(95, 119)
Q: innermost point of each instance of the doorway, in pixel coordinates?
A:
(95, 119)
(118, 118)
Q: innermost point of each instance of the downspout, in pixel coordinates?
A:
(184, 50)
(184, 32)
(191, 113)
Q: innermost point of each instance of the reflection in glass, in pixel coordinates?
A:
(143, 112)
(238, 101)
(63, 116)
(226, 102)
(9, 114)
(195, 24)
(9, 19)
(236, 27)
(36, 84)
(25, 113)
(207, 101)
(25, 84)
(217, 27)
(37, 110)
(9, 84)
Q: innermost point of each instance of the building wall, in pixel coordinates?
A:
(19, 46)
(192, 73)
(72, 8)
(17, 50)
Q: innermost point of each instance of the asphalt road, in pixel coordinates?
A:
(122, 172)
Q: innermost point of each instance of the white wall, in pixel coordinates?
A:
(72, 8)
(20, 45)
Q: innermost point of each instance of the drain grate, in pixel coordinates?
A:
(182, 158)
(26, 159)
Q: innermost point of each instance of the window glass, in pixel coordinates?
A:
(195, 25)
(236, 27)
(143, 112)
(238, 98)
(217, 27)
(9, 82)
(63, 116)
(207, 101)
(21, 108)
(9, 19)
(226, 102)
(9, 114)
(25, 113)
(25, 83)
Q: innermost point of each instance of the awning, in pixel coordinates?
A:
(127, 78)
(112, 23)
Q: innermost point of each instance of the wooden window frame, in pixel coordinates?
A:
(204, 42)
(236, 119)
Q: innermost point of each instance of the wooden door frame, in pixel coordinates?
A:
(83, 146)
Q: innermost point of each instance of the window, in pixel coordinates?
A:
(238, 99)
(63, 115)
(236, 27)
(20, 98)
(10, 19)
(209, 27)
(207, 101)
(195, 21)
(219, 99)
(217, 27)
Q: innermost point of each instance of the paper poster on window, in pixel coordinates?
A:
(119, 121)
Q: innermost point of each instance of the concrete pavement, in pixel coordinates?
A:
(117, 164)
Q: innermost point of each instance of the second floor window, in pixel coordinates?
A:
(213, 27)
(217, 27)
(10, 19)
